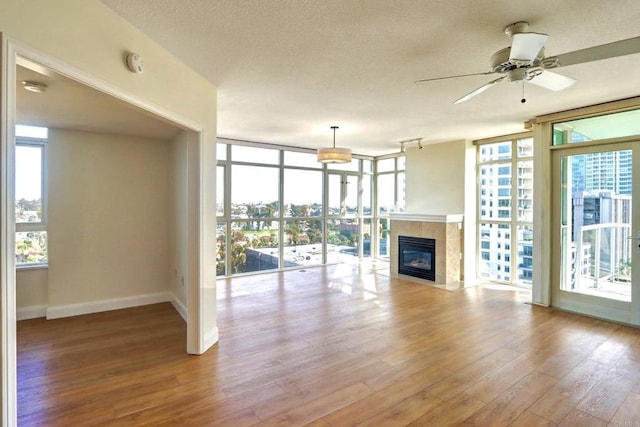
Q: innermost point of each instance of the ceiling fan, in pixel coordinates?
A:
(524, 60)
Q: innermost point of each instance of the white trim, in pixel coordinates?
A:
(179, 306)
(23, 52)
(211, 338)
(31, 312)
(426, 217)
(106, 305)
(37, 311)
(13, 52)
(543, 232)
(596, 309)
(8, 366)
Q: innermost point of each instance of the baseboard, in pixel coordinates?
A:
(106, 305)
(179, 306)
(31, 312)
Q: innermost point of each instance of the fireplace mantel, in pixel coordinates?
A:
(446, 218)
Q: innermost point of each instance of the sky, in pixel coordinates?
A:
(29, 165)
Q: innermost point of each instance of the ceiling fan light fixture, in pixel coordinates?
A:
(518, 75)
(334, 154)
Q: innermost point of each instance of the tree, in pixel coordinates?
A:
(220, 259)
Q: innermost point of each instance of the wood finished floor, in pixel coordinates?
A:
(334, 346)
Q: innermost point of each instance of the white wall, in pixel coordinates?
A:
(31, 293)
(441, 179)
(435, 180)
(91, 40)
(109, 217)
(179, 221)
(89, 37)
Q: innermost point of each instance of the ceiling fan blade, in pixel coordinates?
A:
(526, 46)
(454, 77)
(595, 53)
(479, 90)
(552, 81)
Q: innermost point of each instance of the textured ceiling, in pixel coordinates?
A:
(286, 70)
(67, 104)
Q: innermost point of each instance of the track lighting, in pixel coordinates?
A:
(403, 144)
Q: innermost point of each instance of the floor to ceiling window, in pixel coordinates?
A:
(505, 209)
(277, 208)
(390, 196)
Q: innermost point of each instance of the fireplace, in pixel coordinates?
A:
(417, 257)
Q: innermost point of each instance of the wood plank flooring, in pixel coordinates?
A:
(334, 346)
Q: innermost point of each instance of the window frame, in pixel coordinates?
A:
(361, 167)
(23, 227)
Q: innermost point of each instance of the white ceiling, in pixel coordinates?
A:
(67, 104)
(286, 70)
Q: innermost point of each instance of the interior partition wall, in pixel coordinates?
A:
(279, 208)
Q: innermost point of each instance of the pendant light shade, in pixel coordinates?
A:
(334, 154)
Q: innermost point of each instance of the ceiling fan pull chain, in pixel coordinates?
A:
(523, 100)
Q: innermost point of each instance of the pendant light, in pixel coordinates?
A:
(334, 154)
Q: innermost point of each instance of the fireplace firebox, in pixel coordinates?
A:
(417, 257)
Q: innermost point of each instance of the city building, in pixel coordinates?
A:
(137, 95)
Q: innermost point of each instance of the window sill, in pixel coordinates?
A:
(27, 267)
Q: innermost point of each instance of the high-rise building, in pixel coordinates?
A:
(609, 170)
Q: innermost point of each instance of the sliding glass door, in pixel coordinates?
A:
(597, 222)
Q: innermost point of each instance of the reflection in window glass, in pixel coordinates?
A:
(302, 193)
(342, 240)
(240, 153)
(254, 246)
(302, 242)
(254, 191)
(308, 160)
(220, 191)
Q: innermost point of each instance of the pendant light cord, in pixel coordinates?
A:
(334, 135)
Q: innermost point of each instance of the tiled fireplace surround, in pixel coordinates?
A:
(445, 229)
